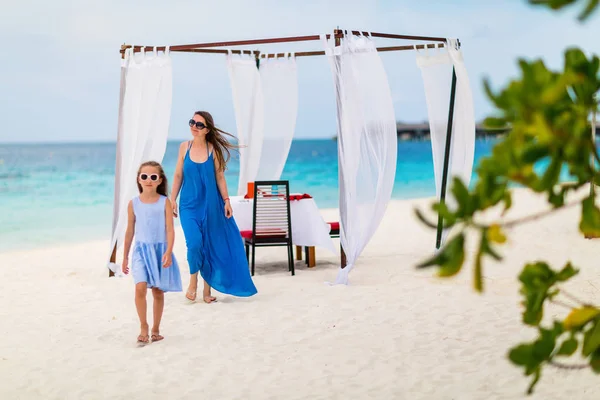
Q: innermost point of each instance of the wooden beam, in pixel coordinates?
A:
(303, 53)
(338, 33)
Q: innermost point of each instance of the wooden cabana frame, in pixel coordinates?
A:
(338, 34)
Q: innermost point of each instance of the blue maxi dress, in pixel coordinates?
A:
(214, 244)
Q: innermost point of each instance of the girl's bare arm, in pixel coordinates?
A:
(169, 226)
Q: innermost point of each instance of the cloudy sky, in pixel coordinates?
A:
(59, 61)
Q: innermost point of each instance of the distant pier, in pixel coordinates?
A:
(421, 131)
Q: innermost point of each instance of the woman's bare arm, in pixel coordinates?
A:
(221, 182)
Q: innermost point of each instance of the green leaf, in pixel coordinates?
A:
(552, 174)
(535, 152)
(521, 355)
(568, 347)
(591, 340)
(595, 361)
(590, 217)
(589, 9)
(461, 194)
(580, 316)
(544, 346)
(566, 273)
(450, 258)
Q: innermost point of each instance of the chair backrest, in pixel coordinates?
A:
(271, 219)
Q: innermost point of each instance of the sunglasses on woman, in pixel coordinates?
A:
(199, 125)
(152, 177)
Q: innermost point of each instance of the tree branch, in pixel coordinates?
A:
(532, 217)
(560, 365)
(560, 303)
(575, 299)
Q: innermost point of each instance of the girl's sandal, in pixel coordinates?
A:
(156, 337)
(191, 296)
(143, 339)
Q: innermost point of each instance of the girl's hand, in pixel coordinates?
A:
(125, 266)
(228, 210)
(174, 204)
(167, 260)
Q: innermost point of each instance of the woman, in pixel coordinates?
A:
(214, 245)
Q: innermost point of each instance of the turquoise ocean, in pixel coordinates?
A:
(60, 193)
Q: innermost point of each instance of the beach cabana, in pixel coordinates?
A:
(264, 88)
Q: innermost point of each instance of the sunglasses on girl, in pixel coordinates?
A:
(199, 125)
(152, 177)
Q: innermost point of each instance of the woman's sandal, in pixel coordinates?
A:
(191, 296)
(156, 337)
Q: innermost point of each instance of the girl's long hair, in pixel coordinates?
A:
(164, 185)
(217, 138)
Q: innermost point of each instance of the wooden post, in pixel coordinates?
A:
(299, 253)
(311, 257)
(438, 240)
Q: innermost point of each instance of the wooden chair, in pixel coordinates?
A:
(271, 220)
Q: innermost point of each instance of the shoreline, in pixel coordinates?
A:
(100, 237)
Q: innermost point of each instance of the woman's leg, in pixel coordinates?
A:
(158, 306)
(193, 287)
(141, 290)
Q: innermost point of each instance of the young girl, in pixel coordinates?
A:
(153, 264)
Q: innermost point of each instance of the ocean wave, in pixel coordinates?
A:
(12, 175)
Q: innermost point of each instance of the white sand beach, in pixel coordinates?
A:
(68, 332)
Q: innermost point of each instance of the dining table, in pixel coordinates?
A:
(309, 229)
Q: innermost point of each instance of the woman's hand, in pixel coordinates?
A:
(167, 260)
(125, 266)
(174, 204)
(228, 210)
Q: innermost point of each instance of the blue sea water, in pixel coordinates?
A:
(53, 193)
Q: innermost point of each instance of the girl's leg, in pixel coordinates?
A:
(140, 304)
(158, 306)
(193, 287)
(208, 298)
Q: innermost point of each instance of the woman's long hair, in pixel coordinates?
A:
(217, 138)
(164, 185)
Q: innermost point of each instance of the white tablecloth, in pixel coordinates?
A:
(308, 226)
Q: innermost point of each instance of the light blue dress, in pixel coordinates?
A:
(214, 244)
(150, 246)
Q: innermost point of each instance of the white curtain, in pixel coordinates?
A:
(143, 127)
(436, 69)
(279, 81)
(367, 142)
(249, 115)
